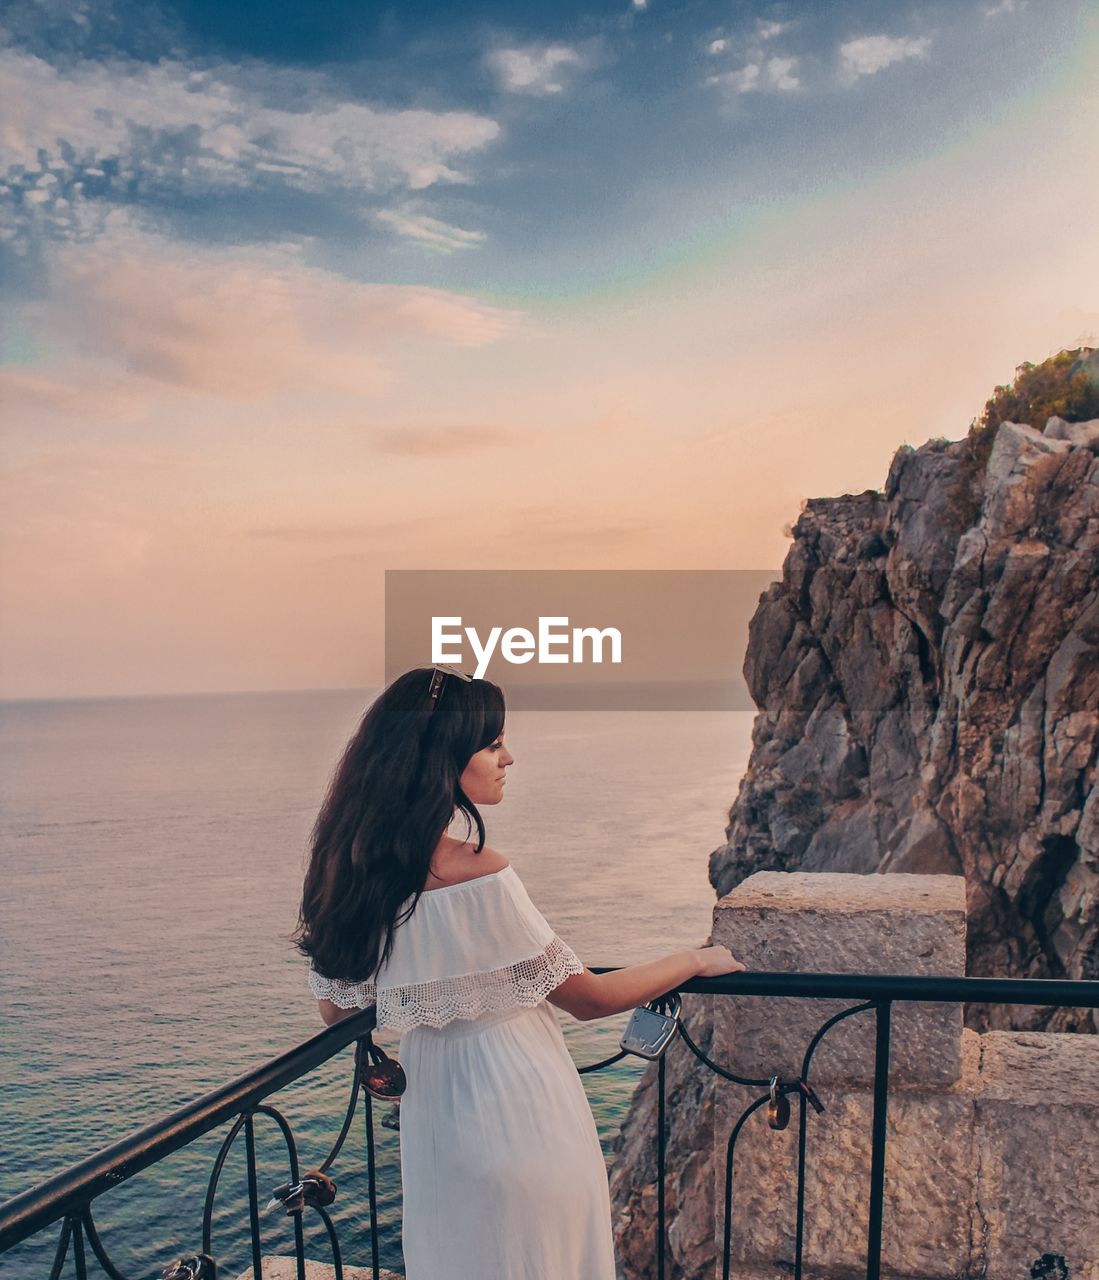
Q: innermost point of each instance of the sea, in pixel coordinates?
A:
(152, 851)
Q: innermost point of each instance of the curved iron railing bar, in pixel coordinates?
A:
(349, 1114)
(824, 1029)
(245, 1121)
(787, 1087)
(802, 1118)
(334, 1241)
(253, 1196)
(730, 1146)
(212, 1185)
(62, 1250)
(806, 1062)
(877, 1144)
(607, 1062)
(721, 1071)
(97, 1246)
(275, 1114)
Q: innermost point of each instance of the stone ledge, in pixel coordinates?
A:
(1037, 1068)
(279, 1268)
(1038, 1141)
(844, 894)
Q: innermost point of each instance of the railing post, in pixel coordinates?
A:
(661, 1151)
(372, 1185)
(253, 1197)
(877, 1150)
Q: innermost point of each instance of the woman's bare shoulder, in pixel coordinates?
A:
(455, 862)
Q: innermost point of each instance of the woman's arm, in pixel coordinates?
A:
(332, 1013)
(590, 995)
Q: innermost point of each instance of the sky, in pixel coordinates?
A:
(296, 294)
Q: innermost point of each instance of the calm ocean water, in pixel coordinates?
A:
(152, 852)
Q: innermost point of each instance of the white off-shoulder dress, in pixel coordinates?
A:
(501, 1166)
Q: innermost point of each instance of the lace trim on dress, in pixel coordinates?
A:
(469, 995)
(347, 995)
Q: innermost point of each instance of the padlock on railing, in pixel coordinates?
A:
(382, 1076)
(315, 1188)
(651, 1027)
(198, 1266)
(778, 1105)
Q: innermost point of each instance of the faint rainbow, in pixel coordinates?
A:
(710, 244)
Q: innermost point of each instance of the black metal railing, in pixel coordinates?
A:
(67, 1198)
(876, 993)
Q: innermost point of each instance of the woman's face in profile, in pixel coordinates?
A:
(483, 777)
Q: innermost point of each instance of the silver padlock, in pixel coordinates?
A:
(651, 1027)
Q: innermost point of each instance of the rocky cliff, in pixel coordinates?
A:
(927, 673)
(927, 678)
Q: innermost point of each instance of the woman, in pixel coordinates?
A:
(502, 1170)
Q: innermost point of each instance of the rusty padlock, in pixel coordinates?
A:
(382, 1076)
(199, 1266)
(778, 1107)
(315, 1189)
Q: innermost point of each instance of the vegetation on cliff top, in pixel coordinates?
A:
(1064, 386)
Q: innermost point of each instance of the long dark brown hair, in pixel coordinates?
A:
(392, 795)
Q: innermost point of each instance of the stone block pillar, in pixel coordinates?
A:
(992, 1150)
(817, 922)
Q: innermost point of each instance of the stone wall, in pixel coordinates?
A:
(993, 1138)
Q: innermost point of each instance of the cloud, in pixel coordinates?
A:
(71, 28)
(431, 232)
(534, 69)
(116, 130)
(541, 532)
(780, 73)
(743, 80)
(769, 30)
(775, 74)
(85, 392)
(429, 442)
(384, 532)
(241, 324)
(867, 55)
(1005, 6)
(79, 517)
(717, 46)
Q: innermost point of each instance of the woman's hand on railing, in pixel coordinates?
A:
(715, 961)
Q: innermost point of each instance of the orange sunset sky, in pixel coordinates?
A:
(611, 287)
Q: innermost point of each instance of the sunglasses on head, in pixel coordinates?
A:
(439, 674)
